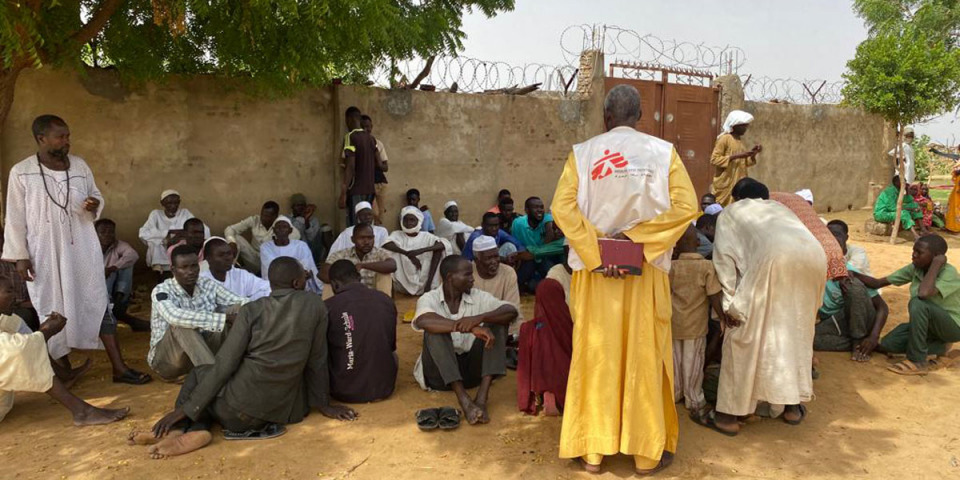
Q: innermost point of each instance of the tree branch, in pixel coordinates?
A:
(97, 21)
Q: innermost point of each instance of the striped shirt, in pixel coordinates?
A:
(172, 305)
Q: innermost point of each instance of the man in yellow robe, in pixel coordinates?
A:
(731, 157)
(628, 185)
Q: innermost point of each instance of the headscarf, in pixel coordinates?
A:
(362, 206)
(410, 210)
(734, 118)
(484, 243)
(167, 193)
(805, 194)
(546, 346)
(836, 263)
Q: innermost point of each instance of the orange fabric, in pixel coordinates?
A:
(836, 263)
(952, 219)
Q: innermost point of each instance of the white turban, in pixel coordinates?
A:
(205, 242)
(411, 210)
(713, 209)
(734, 118)
(362, 206)
(805, 194)
(167, 193)
(449, 204)
(282, 218)
(484, 243)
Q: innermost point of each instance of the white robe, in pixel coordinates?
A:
(773, 271)
(448, 231)
(345, 239)
(297, 249)
(24, 365)
(63, 247)
(242, 282)
(155, 230)
(408, 277)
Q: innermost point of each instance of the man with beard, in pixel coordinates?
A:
(494, 277)
(52, 202)
(372, 263)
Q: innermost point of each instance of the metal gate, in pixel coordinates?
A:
(680, 107)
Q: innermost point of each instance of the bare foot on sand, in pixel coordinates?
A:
(484, 415)
(99, 416)
(146, 437)
(77, 373)
(471, 412)
(180, 444)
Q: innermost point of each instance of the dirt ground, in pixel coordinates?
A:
(864, 422)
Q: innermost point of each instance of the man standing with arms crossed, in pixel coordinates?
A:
(630, 186)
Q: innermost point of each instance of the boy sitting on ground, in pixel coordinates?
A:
(934, 306)
(270, 371)
(694, 290)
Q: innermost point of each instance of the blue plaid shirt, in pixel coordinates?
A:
(172, 305)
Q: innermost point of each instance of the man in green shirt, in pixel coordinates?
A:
(544, 248)
(885, 209)
(850, 319)
(934, 306)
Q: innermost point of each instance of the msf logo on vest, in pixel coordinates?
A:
(610, 163)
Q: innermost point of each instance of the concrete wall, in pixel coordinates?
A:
(228, 152)
(834, 151)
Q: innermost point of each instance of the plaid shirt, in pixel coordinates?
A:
(172, 305)
(9, 270)
(367, 277)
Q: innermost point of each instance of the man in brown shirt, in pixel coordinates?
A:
(361, 161)
(495, 278)
(694, 289)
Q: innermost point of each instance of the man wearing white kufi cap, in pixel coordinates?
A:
(731, 157)
(452, 229)
(494, 277)
(364, 214)
(157, 232)
(261, 231)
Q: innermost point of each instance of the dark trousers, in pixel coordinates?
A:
(840, 332)
(929, 330)
(529, 274)
(218, 411)
(443, 366)
(352, 201)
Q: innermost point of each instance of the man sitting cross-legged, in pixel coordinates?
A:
(464, 339)
(220, 257)
(934, 306)
(25, 365)
(118, 261)
(362, 338)
(374, 264)
(187, 326)
(271, 370)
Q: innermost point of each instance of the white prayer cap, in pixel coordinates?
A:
(282, 218)
(484, 243)
(449, 204)
(167, 193)
(734, 118)
(805, 194)
(713, 209)
(205, 242)
(362, 206)
(907, 131)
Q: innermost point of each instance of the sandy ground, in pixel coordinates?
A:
(865, 422)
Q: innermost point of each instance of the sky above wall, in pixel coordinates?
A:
(809, 39)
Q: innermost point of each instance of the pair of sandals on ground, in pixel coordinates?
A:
(444, 418)
(707, 417)
(933, 363)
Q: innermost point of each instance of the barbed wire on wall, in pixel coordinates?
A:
(471, 75)
(633, 46)
(790, 90)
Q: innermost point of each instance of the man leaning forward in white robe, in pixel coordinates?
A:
(773, 272)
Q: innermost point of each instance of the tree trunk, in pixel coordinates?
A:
(8, 79)
(903, 185)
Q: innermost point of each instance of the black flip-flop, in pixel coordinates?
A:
(272, 430)
(132, 377)
(709, 421)
(449, 418)
(803, 415)
(512, 358)
(428, 419)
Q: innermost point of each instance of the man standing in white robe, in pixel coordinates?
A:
(773, 272)
(52, 203)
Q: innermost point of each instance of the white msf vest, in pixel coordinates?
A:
(624, 181)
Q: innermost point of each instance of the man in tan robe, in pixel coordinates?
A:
(731, 157)
(494, 277)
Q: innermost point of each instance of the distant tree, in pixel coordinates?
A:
(908, 69)
(280, 44)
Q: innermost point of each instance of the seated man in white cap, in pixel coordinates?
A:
(220, 258)
(261, 230)
(284, 245)
(495, 278)
(161, 227)
(417, 253)
(364, 214)
(451, 229)
(375, 265)
(319, 236)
